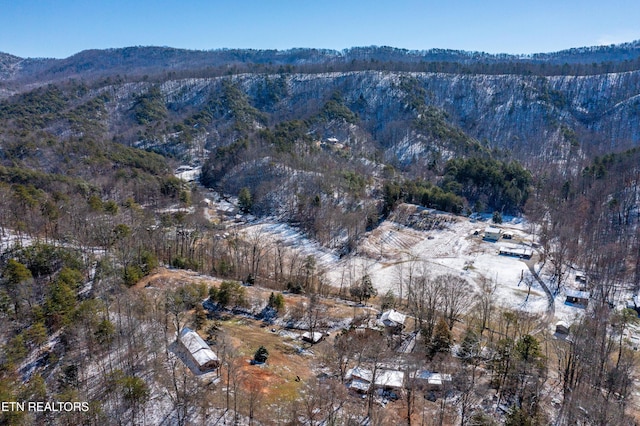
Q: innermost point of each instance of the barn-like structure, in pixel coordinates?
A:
(197, 350)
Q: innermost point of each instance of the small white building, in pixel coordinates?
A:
(392, 318)
(522, 252)
(360, 379)
(430, 380)
(390, 379)
(577, 298)
(562, 328)
(197, 350)
(491, 233)
(314, 337)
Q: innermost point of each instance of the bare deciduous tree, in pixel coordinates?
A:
(456, 296)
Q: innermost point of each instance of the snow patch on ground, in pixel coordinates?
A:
(188, 173)
(452, 250)
(292, 237)
(10, 239)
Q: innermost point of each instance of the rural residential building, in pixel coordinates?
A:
(562, 327)
(578, 298)
(360, 379)
(197, 350)
(393, 319)
(492, 233)
(522, 252)
(314, 337)
(429, 380)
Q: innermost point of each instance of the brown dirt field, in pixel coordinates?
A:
(164, 278)
(276, 380)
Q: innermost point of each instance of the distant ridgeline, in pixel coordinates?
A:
(149, 61)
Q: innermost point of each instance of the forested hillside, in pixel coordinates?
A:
(338, 148)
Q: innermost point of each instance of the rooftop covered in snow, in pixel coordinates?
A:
(392, 318)
(198, 349)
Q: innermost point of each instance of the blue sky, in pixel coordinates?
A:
(60, 28)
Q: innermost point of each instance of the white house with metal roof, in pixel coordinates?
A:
(429, 379)
(491, 233)
(577, 298)
(360, 379)
(197, 350)
(392, 318)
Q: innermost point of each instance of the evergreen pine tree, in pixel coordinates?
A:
(245, 201)
(261, 355)
(441, 340)
(470, 346)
